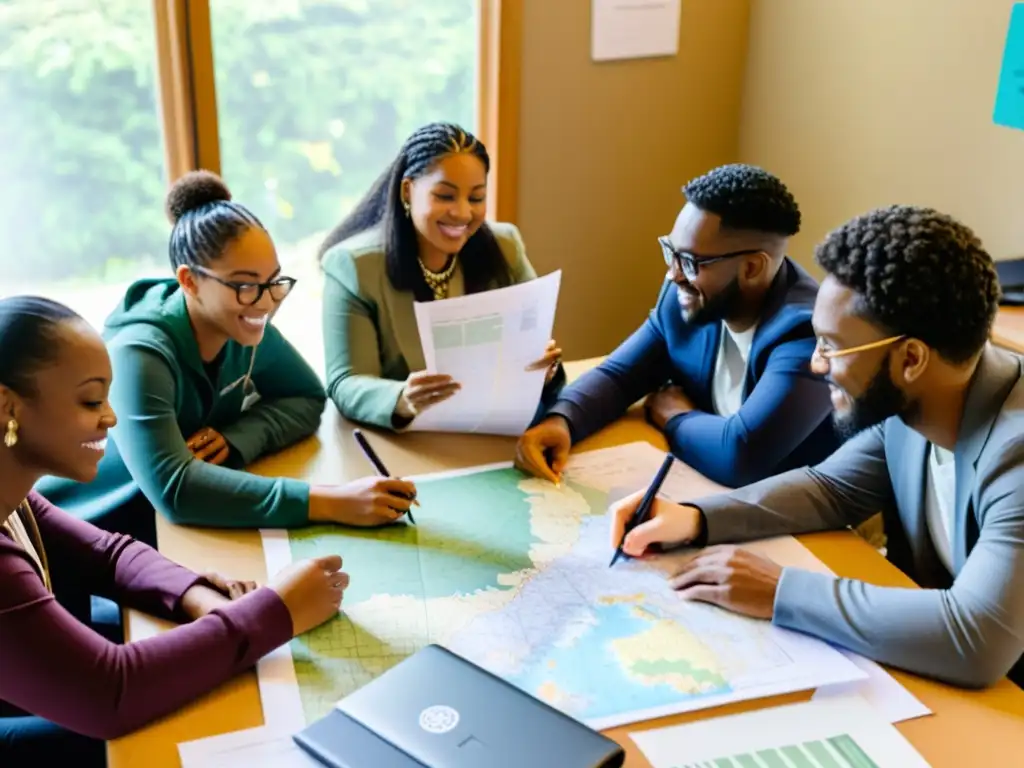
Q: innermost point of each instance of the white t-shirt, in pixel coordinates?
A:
(731, 370)
(940, 501)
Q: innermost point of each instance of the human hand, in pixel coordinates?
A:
(550, 437)
(209, 445)
(311, 591)
(423, 390)
(201, 599)
(366, 502)
(551, 359)
(732, 578)
(231, 588)
(662, 406)
(667, 525)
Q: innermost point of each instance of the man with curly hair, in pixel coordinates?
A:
(724, 356)
(903, 319)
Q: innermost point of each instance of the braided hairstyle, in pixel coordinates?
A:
(746, 197)
(481, 258)
(205, 219)
(917, 272)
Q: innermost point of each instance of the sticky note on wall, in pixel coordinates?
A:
(1010, 96)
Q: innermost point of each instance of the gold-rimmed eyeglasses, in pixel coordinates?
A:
(828, 354)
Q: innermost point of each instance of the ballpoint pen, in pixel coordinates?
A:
(644, 508)
(370, 454)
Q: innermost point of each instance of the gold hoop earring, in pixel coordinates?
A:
(11, 436)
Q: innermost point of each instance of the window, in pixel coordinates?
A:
(81, 154)
(298, 104)
(314, 99)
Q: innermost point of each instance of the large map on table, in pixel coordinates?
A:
(512, 573)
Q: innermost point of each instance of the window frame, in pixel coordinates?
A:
(188, 96)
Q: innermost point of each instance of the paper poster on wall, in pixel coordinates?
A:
(634, 29)
(1009, 109)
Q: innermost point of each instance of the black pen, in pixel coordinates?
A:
(644, 508)
(378, 464)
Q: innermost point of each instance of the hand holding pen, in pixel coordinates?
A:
(643, 510)
(367, 502)
(406, 495)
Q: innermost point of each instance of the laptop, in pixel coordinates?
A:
(1011, 280)
(436, 709)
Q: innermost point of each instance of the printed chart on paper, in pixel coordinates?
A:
(512, 573)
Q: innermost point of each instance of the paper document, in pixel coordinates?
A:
(839, 733)
(485, 341)
(629, 468)
(630, 29)
(881, 690)
(511, 572)
(261, 747)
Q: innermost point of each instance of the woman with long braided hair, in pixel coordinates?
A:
(419, 234)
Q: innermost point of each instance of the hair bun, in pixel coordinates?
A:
(194, 190)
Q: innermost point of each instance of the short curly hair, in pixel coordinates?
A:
(917, 272)
(746, 197)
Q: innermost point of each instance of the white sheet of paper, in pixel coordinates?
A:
(631, 29)
(881, 690)
(485, 341)
(823, 733)
(275, 672)
(261, 747)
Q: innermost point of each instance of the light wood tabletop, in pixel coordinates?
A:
(967, 727)
(1009, 328)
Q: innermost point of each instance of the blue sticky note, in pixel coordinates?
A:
(1010, 96)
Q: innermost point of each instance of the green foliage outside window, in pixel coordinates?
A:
(314, 98)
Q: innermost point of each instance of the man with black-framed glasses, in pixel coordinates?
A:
(724, 357)
(936, 412)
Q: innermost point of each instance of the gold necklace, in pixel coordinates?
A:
(438, 281)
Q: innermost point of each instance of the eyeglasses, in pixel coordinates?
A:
(829, 354)
(250, 293)
(689, 264)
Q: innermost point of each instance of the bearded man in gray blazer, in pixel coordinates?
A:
(936, 419)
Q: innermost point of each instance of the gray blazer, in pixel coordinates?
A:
(966, 628)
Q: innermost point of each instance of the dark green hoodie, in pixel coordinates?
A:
(162, 394)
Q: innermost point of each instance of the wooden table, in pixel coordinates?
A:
(1009, 328)
(968, 728)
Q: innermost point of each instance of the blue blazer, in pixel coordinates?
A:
(785, 419)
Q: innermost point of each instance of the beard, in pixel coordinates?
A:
(717, 308)
(880, 401)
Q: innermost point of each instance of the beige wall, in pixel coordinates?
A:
(604, 149)
(861, 103)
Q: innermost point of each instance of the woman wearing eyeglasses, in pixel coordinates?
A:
(204, 384)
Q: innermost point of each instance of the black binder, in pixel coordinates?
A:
(436, 709)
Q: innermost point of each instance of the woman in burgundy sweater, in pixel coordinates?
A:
(64, 689)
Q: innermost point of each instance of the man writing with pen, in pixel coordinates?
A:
(936, 412)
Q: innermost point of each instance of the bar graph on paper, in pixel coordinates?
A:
(839, 732)
(836, 752)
